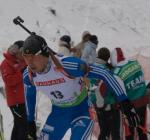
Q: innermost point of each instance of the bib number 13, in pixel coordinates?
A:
(57, 94)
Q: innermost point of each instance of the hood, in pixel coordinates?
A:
(9, 57)
(91, 44)
(116, 56)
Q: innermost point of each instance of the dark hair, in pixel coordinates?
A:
(66, 38)
(93, 39)
(66, 41)
(86, 37)
(104, 54)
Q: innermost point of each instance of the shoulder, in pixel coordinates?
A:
(28, 77)
(25, 74)
(6, 68)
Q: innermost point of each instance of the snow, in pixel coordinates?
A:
(7, 118)
(123, 23)
(116, 22)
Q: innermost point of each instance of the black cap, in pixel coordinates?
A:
(104, 54)
(35, 44)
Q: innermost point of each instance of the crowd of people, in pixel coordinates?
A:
(76, 78)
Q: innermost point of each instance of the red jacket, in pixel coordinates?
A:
(13, 79)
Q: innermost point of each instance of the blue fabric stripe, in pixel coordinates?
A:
(70, 68)
(88, 131)
(109, 79)
(114, 81)
(98, 72)
(30, 97)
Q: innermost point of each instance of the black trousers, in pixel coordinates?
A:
(109, 122)
(142, 135)
(19, 131)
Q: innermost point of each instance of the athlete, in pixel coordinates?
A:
(59, 78)
(130, 71)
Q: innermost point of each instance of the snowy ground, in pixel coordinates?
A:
(123, 23)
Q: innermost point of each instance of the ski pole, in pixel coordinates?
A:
(18, 21)
(144, 129)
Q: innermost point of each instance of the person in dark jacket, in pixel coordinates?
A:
(108, 116)
(11, 69)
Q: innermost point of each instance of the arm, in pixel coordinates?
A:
(110, 80)
(30, 97)
(76, 67)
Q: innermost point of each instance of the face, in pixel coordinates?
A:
(37, 63)
(19, 56)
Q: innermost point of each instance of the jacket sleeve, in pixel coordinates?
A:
(10, 76)
(86, 52)
(76, 67)
(30, 97)
(110, 80)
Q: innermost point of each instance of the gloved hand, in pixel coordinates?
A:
(31, 131)
(130, 113)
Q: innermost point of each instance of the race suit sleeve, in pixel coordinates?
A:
(30, 96)
(76, 67)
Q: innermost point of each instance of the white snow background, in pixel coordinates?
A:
(123, 23)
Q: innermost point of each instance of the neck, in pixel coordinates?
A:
(46, 68)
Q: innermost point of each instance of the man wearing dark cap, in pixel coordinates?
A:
(59, 78)
(11, 69)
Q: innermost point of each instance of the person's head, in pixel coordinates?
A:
(36, 53)
(65, 40)
(16, 49)
(94, 39)
(104, 54)
(85, 36)
(116, 56)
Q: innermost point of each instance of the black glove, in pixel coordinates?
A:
(130, 113)
(31, 131)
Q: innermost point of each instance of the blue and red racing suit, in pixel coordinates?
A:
(68, 97)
